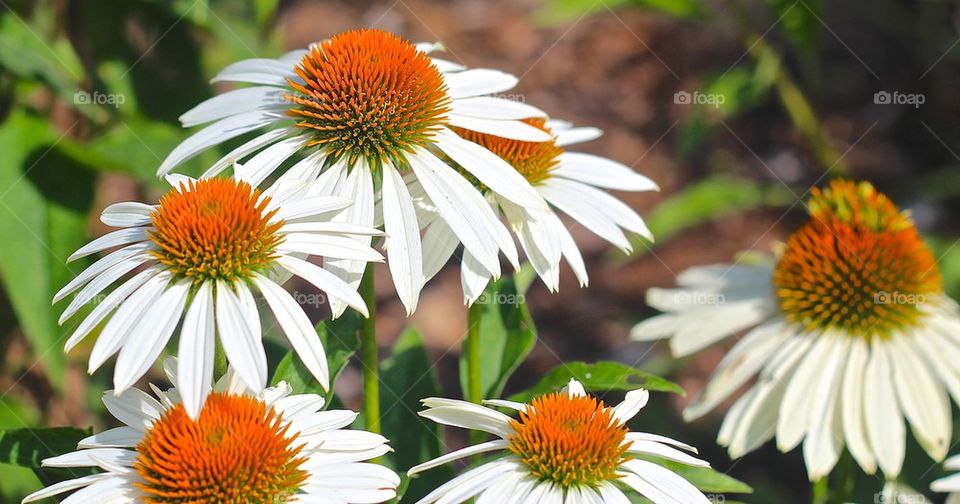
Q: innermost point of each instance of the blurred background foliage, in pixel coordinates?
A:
(90, 92)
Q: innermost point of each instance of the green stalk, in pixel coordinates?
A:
(474, 390)
(368, 354)
(821, 491)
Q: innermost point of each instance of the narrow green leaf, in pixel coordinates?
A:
(507, 333)
(406, 378)
(600, 377)
(708, 480)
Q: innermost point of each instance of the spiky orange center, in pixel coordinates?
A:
(215, 229)
(858, 265)
(368, 93)
(236, 451)
(570, 441)
(533, 160)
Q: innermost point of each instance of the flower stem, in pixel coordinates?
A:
(474, 388)
(821, 491)
(368, 354)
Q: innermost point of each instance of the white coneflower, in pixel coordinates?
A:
(199, 255)
(242, 447)
(849, 332)
(372, 111)
(566, 447)
(570, 182)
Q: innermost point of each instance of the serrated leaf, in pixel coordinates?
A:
(602, 376)
(507, 334)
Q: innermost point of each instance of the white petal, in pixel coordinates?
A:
(233, 102)
(194, 376)
(244, 150)
(800, 398)
(358, 184)
(448, 191)
(634, 401)
(885, 429)
(110, 240)
(514, 130)
(300, 332)
(102, 309)
(573, 203)
(468, 416)
(118, 437)
(329, 246)
(120, 325)
(439, 242)
(127, 214)
(308, 207)
(601, 172)
(852, 407)
(478, 81)
(135, 252)
(66, 486)
(403, 238)
(214, 134)
(922, 397)
(240, 337)
(325, 281)
(152, 333)
(258, 71)
(824, 441)
(134, 407)
(473, 278)
(490, 169)
(262, 165)
(489, 107)
(101, 282)
(576, 135)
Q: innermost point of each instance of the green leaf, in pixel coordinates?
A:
(407, 378)
(600, 377)
(706, 479)
(45, 197)
(339, 338)
(507, 333)
(28, 447)
(708, 200)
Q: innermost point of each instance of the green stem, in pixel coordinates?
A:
(368, 353)
(474, 389)
(219, 361)
(821, 491)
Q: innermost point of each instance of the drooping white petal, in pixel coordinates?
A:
(115, 333)
(824, 441)
(101, 282)
(194, 376)
(571, 136)
(265, 162)
(102, 309)
(110, 240)
(245, 150)
(853, 408)
(921, 396)
(490, 169)
(403, 238)
(295, 324)
(439, 243)
(152, 331)
(326, 281)
(257, 71)
(358, 183)
(240, 337)
(885, 429)
(127, 214)
(134, 407)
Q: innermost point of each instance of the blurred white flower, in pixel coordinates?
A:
(849, 331)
